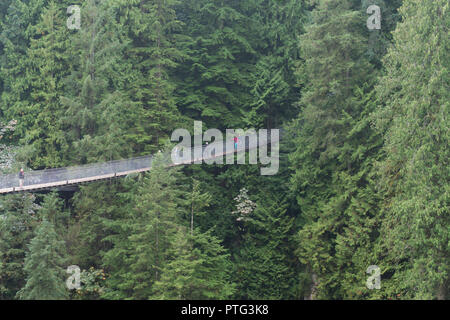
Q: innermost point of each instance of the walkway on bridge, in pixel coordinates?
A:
(62, 177)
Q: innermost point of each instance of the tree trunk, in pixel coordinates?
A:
(313, 287)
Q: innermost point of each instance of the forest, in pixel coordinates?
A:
(363, 186)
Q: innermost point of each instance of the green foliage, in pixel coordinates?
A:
(92, 285)
(44, 266)
(336, 152)
(95, 103)
(197, 268)
(215, 77)
(415, 171)
(18, 219)
(264, 267)
(52, 210)
(15, 40)
(363, 176)
(153, 53)
(148, 230)
(197, 201)
(274, 90)
(48, 59)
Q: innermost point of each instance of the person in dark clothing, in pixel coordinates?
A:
(21, 177)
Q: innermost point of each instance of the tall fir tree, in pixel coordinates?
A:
(44, 266)
(197, 268)
(48, 62)
(15, 38)
(148, 231)
(96, 105)
(18, 220)
(274, 90)
(337, 148)
(153, 53)
(215, 80)
(414, 175)
(264, 265)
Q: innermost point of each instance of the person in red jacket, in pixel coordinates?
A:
(235, 143)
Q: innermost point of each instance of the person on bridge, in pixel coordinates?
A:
(235, 143)
(21, 177)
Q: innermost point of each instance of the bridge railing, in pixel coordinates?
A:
(91, 172)
(48, 176)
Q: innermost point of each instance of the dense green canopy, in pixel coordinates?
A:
(364, 177)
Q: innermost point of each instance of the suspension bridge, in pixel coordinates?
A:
(62, 178)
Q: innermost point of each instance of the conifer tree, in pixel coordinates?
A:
(177, 279)
(44, 266)
(96, 207)
(15, 40)
(8, 150)
(96, 106)
(153, 54)
(52, 210)
(264, 267)
(216, 77)
(197, 201)
(336, 151)
(155, 224)
(274, 92)
(414, 118)
(18, 219)
(197, 268)
(146, 233)
(214, 278)
(111, 221)
(48, 60)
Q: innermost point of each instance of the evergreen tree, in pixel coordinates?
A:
(8, 150)
(52, 209)
(264, 267)
(17, 221)
(197, 201)
(95, 207)
(177, 274)
(112, 223)
(415, 172)
(148, 232)
(197, 268)
(336, 151)
(154, 54)
(43, 266)
(15, 39)
(215, 79)
(96, 106)
(213, 276)
(274, 91)
(48, 61)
